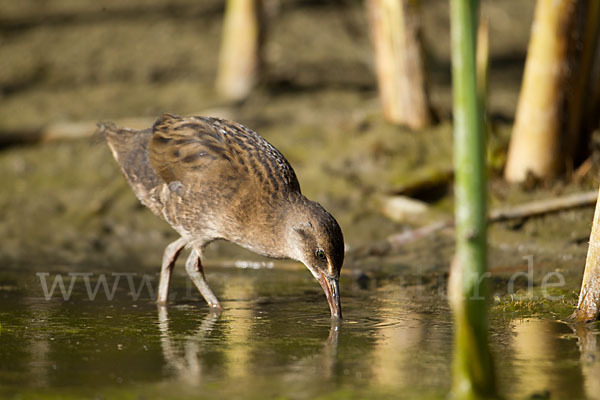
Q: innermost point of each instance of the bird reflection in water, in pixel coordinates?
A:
(186, 364)
(184, 356)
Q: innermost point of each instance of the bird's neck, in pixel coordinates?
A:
(272, 234)
(297, 216)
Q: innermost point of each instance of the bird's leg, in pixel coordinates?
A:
(169, 257)
(193, 266)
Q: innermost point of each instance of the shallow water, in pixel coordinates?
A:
(274, 340)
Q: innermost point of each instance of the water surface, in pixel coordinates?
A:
(275, 340)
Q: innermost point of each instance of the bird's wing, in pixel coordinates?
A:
(183, 148)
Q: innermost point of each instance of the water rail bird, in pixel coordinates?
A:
(211, 179)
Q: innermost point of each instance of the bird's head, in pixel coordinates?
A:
(316, 240)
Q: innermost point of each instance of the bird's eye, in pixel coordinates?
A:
(320, 254)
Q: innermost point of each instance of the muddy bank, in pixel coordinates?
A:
(68, 207)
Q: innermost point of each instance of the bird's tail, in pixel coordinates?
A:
(122, 141)
(101, 132)
(103, 127)
(130, 149)
(110, 131)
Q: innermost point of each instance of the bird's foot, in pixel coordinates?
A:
(161, 302)
(215, 308)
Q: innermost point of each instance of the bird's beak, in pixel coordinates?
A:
(331, 288)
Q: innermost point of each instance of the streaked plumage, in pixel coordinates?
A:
(215, 179)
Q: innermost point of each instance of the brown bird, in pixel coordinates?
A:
(211, 179)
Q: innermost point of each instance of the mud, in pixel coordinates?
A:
(68, 208)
